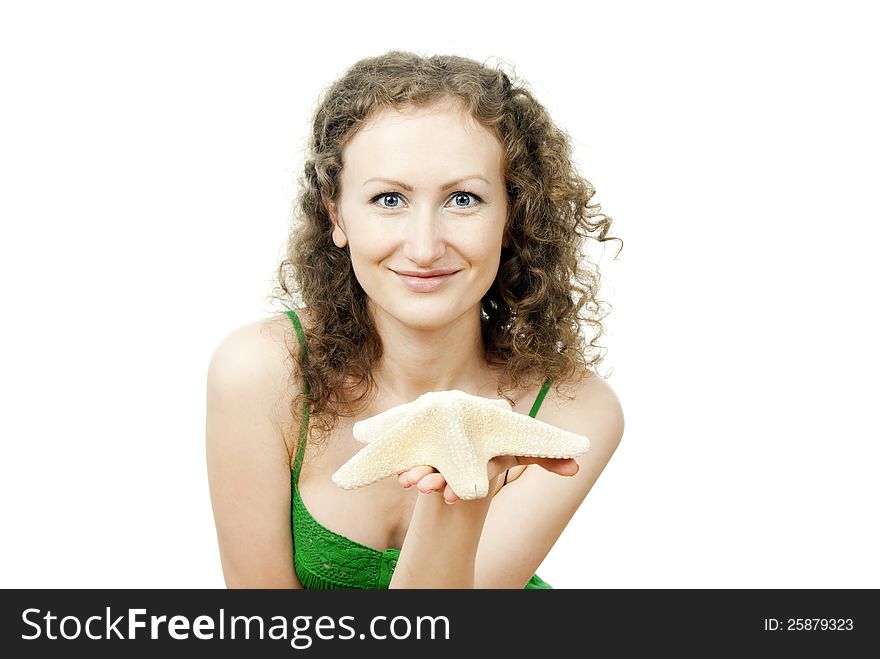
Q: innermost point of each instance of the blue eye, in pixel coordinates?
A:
(384, 194)
(464, 193)
(396, 195)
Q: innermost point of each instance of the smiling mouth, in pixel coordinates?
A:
(426, 275)
(425, 284)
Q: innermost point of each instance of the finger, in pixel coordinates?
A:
(431, 482)
(561, 466)
(415, 474)
(449, 495)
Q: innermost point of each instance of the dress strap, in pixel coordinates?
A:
(540, 398)
(304, 422)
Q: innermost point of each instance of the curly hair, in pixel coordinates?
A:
(530, 317)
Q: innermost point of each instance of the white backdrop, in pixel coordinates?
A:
(148, 155)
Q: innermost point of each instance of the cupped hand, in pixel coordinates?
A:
(427, 479)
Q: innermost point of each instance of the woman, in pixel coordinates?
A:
(437, 248)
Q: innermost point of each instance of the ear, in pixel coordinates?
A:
(339, 237)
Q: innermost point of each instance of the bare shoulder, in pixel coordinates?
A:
(587, 406)
(248, 459)
(254, 363)
(590, 407)
(590, 401)
(255, 353)
(265, 338)
(594, 410)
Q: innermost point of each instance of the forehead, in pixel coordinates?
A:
(427, 143)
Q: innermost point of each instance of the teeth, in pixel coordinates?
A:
(456, 433)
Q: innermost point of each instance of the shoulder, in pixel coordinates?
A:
(594, 410)
(253, 368)
(248, 456)
(252, 352)
(589, 406)
(594, 405)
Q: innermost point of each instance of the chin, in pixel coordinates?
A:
(422, 314)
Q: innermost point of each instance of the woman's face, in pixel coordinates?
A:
(422, 190)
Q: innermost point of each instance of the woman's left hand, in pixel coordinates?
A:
(428, 479)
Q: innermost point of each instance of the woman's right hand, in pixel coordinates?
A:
(428, 479)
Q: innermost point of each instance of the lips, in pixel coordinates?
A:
(425, 284)
(425, 273)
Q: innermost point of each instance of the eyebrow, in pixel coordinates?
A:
(410, 189)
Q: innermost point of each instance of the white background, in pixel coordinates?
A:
(148, 155)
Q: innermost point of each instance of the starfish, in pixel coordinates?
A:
(456, 433)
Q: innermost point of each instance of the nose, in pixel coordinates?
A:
(425, 240)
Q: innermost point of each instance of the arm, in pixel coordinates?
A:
(440, 547)
(530, 513)
(248, 460)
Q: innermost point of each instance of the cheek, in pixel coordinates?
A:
(486, 247)
(367, 244)
(368, 254)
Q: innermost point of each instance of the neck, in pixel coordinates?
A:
(416, 361)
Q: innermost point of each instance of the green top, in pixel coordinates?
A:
(325, 559)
